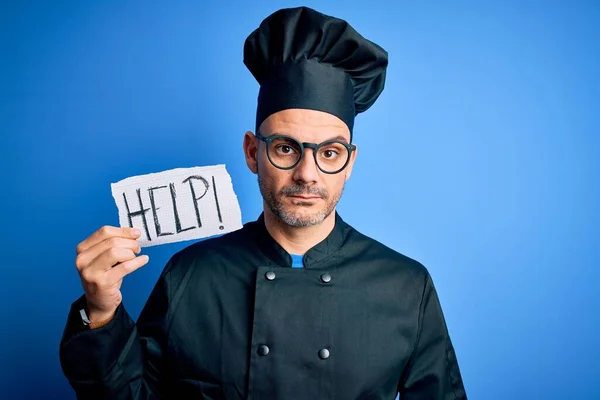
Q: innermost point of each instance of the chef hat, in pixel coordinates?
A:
(304, 59)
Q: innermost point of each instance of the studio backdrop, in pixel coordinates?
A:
(480, 160)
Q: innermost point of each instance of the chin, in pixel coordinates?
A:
(302, 217)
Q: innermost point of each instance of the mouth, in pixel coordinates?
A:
(305, 197)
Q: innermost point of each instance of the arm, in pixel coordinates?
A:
(432, 372)
(121, 360)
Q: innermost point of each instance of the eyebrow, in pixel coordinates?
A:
(338, 137)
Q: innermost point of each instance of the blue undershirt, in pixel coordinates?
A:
(297, 261)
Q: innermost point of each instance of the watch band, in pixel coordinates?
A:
(92, 325)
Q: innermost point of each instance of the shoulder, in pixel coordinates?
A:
(209, 251)
(220, 244)
(367, 248)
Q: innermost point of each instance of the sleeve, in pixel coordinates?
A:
(121, 360)
(433, 372)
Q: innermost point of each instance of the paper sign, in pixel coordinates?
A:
(178, 204)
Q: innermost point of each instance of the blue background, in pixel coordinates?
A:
(480, 159)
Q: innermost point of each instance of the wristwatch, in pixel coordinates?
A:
(92, 325)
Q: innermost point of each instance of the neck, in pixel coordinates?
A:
(297, 240)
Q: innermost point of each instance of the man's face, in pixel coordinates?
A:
(304, 195)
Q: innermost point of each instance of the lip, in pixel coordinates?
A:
(305, 197)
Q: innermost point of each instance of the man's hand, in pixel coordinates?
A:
(103, 259)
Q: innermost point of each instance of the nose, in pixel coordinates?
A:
(306, 171)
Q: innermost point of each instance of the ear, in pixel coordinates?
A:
(348, 169)
(251, 151)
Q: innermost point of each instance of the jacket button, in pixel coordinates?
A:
(323, 354)
(263, 350)
(270, 275)
(326, 278)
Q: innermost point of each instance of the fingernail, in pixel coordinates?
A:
(136, 232)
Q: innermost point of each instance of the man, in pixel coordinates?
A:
(296, 305)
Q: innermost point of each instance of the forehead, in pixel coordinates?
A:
(305, 125)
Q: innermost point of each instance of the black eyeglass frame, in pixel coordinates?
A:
(314, 146)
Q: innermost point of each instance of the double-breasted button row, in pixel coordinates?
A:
(325, 278)
(263, 350)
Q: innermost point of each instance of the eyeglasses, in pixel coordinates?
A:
(285, 152)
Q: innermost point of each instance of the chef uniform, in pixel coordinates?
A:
(237, 317)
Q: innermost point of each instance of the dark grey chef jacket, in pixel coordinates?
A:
(230, 319)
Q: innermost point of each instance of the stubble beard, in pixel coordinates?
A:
(292, 217)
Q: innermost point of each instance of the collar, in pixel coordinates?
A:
(277, 254)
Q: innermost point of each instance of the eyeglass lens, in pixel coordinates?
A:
(285, 153)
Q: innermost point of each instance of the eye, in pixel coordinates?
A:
(329, 153)
(285, 149)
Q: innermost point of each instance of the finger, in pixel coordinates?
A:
(109, 258)
(106, 232)
(84, 260)
(125, 268)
